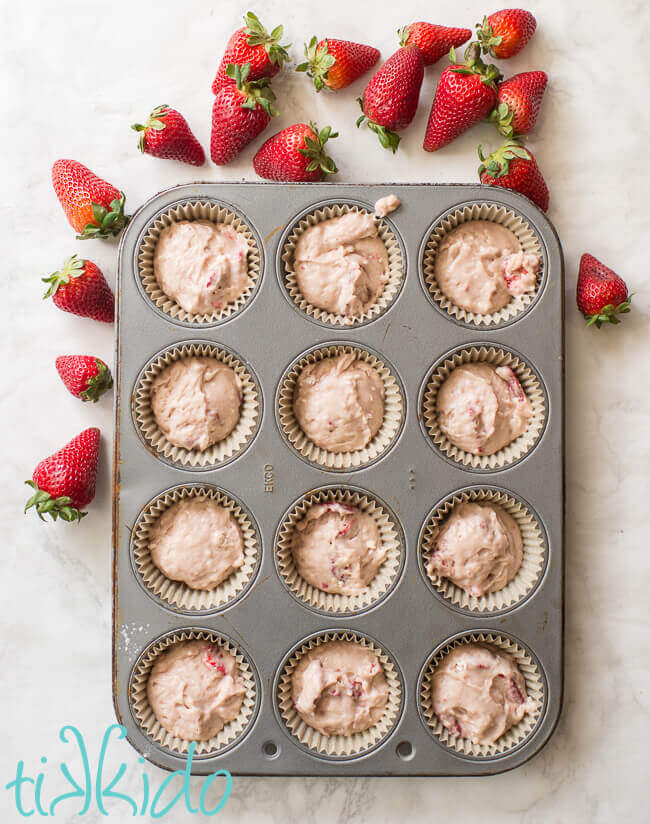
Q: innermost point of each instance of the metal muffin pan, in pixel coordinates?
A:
(267, 622)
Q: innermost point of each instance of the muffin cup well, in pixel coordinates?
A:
(535, 551)
(338, 746)
(177, 594)
(396, 266)
(219, 453)
(516, 735)
(394, 411)
(382, 584)
(196, 210)
(144, 715)
(495, 213)
(495, 356)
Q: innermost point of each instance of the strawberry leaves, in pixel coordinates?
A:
(318, 62)
(73, 267)
(315, 150)
(46, 505)
(256, 92)
(608, 314)
(155, 121)
(387, 138)
(108, 222)
(498, 163)
(257, 35)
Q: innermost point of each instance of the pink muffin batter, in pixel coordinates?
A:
(478, 547)
(341, 264)
(201, 265)
(481, 408)
(195, 689)
(478, 692)
(339, 403)
(196, 402)
(337, 548)
(387, 204)
(198, 542)
(339, 688)
(480, 266)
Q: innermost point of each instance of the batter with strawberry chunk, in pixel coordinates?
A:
(478, 547)
(196, 402)
(480, 266)
(198, 542)
(195, 689)
(341, 264)
(201, 265)
(339, 688)
(337, 548)
(339, 403)
(482, 408)
(479, 693)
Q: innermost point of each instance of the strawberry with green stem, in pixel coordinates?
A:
(513, 166)
(252, 44)
(296, 154)
(84, 376)
(166, 134)
(335, 64)
(94, 208)
(601, 294)
(433, 41)
(519, 100)
(81, 288)
(505, 33)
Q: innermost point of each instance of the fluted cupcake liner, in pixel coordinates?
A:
(382, 584)
(219, 453)
(197, 210)
(535, 551)
(176, 593)
(339, 746)
(394, 411)
(530, 383)
(525, 234)
(144, 715)
(518, 733)
(396, 266)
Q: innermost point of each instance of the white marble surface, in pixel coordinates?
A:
(76, 74)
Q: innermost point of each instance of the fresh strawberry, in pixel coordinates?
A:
(466, 94)
(433, 41)
(240, 112)
(296, 154)
(93, 207)
(255, 46)
(85, 376)
(166, 134)
(390, 99)
(81, 288)
(601, 294)
(514, 167)
(505, 33)
(337, 63)
(64, 483)
(518, 103)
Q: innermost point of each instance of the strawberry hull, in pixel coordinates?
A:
(271, 476)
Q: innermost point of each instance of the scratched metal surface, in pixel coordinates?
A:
(269, 476)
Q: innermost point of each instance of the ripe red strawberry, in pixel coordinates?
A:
(433, 41)
(514, 167)
(518, 103)
(240, 112)
(254, 45)
(85, 376)
(81, 288)
(94, 208)
(390, 99)
(296, 154)
(337, 63)
(466, 94)
(65, 482)
(601, 294)
(505, 33)
(166, 134)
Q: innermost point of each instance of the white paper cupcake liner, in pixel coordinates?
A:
(394, 411)
(530, 383)
(387, 575)
(396, 265)
(177, 594)
(197, 210)
(144, 715)
(525, 234)
(535, 551)
(219, 453)
(339, 746)
(518, 733)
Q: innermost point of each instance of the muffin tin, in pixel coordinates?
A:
(409, 481)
